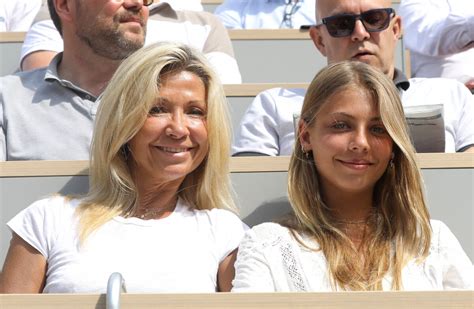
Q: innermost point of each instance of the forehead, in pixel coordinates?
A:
(331, 7)
(353, 100)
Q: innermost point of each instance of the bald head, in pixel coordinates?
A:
(323, 5)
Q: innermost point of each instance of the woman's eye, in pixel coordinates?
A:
(156, 110)
(196, 112)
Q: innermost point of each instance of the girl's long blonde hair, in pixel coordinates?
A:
(123, 109)
(401, 230)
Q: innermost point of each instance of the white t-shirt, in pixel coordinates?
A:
(179, 253)
(270, 259)
(268, 127)
(18, 15)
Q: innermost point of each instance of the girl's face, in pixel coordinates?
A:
(350, 145)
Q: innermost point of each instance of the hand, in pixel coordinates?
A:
(470, 85)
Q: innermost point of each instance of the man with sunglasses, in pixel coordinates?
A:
(366, 31)
(48, 114)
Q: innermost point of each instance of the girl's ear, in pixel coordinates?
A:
(304, 135)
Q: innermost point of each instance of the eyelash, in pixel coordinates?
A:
(342, 126)
(195, 112)
(156, 110)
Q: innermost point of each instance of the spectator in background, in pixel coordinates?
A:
(200, 30)
(158, 206)
(267, 128)
(440, 37)
(18, 15)
(48, 114)
(269, 14)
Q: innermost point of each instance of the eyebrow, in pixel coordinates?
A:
(162, 100)
(377, 118)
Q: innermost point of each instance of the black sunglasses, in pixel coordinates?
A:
(148, 2)
(343, 24)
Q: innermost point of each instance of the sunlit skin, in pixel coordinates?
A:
(97, 35)
(112, 28)
(173, 141)
(374, 48)
(351, 150)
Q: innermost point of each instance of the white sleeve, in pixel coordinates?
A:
(229, 230)
(226, 67)
(258, 129)
(43, 35)
(230, 13)
(3, 140)
(465, 124)
(20, 14)
(438, 28)
(457, 268)
(220, 53)
(252, 270)
(34, 225)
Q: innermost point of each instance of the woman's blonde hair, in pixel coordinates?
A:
(401, 230)
(123, 109)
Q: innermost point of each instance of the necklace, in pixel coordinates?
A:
(150, 213)
(350, 222)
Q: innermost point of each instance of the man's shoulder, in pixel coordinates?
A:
(24, 76)
(22, 80)
(438, 84)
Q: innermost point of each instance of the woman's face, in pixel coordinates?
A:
(350, 145)
(173, 140)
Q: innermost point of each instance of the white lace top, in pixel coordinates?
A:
(270, 259)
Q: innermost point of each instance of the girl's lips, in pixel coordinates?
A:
(357, 165)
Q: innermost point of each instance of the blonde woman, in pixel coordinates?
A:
(158, 206)
(360, 220)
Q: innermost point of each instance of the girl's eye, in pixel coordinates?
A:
(339, 126)
(379, 130)
(156, 110)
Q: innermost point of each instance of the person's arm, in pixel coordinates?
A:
(3, 133)
(437, 28)
(24, 270)
(258, 129)
(465, 123)
(456, 268)
(220, 53)
(37, 59)
(230, 13)
(252, 271)
(42, 43)
(226, 272)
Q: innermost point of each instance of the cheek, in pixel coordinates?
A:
(198, 129)
(383, 147)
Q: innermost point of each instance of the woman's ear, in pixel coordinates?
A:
(304, 135)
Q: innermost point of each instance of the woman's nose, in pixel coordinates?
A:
(177, 126)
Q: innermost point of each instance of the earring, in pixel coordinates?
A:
(307, 154)
(125, 149)
(391, 160)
